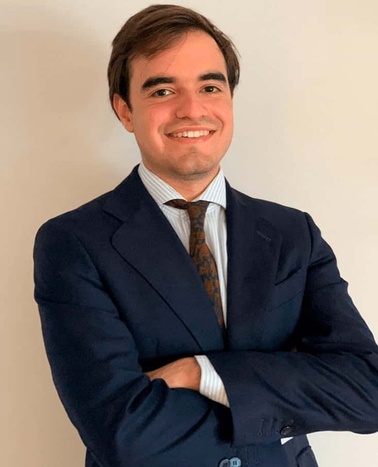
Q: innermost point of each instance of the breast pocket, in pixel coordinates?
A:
(287, 290)
(283, 311)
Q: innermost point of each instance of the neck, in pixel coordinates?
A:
(191, 186)
(189, 191)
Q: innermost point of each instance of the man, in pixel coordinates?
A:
(212, 358)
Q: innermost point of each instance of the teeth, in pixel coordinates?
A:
(191, 134)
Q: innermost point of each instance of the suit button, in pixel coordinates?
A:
(286, 430)
(235, 462)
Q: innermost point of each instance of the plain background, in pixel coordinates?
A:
(306, 116)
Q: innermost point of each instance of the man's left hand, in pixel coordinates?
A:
(183, 373)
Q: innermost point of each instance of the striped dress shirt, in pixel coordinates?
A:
(211, 384)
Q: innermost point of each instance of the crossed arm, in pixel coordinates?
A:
(331, 383)
(182, 373)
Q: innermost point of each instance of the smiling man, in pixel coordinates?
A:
(180, 111)
(186, 323)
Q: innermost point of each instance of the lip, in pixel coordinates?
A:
(186, 140)
(182, 129)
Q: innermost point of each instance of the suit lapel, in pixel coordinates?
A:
(147, 242)
(253, 248)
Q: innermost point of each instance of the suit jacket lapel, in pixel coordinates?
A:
(147, 241)
(253, 248)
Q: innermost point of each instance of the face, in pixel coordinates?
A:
(182, 109)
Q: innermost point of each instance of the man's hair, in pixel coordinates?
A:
(154, 30)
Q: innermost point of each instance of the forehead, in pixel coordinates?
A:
(192, 55)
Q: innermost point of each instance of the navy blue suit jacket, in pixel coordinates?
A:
(118, 295)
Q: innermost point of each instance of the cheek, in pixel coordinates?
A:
(228, 123)
(154, 123)
(158, 112)
(149, 133)
(225, 113)
(144, 126)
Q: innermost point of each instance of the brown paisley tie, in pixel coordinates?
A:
(200, 252)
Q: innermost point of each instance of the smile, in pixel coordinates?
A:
(191, 134)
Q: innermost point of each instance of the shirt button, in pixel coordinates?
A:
(286, 430)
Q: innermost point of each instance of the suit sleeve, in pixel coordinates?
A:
(329, 383)
(122, 417)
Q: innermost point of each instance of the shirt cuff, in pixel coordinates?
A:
(211, 385)
(285, 440)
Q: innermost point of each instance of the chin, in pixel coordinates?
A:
(198, 171)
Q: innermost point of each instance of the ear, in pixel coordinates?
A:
(124, 113)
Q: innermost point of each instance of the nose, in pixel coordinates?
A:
(191, 106)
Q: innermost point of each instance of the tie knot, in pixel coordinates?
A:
(196, 209)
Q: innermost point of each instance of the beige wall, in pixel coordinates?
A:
(306, 135)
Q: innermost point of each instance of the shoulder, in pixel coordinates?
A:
(102, 213)
(273, 212)
(294, 227)
(86, 216)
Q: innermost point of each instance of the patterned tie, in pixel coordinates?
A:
(200, 252)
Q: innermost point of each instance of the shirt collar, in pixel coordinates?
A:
(161, 192)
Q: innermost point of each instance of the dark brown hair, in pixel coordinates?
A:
(155, 29)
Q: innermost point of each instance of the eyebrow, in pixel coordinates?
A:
(157, 80)
(213, 77)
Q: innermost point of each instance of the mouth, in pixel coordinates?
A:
(191, 135)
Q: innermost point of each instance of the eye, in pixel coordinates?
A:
(161, 93)
(211, 89)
